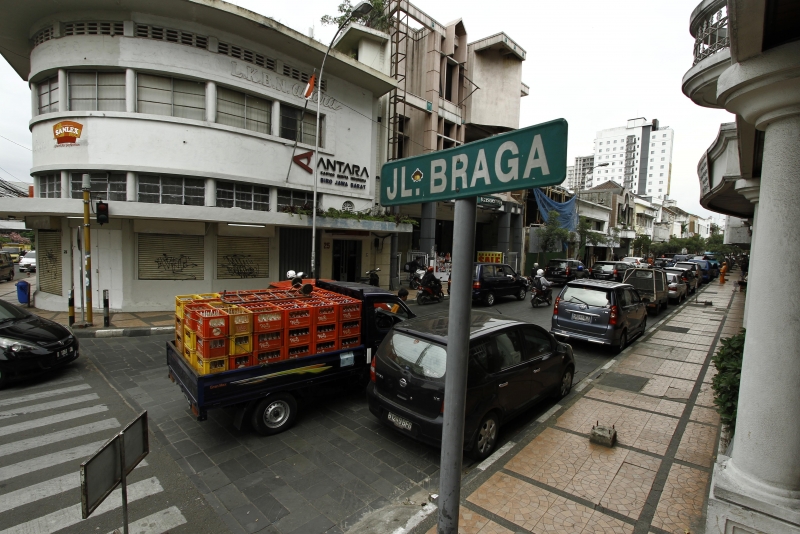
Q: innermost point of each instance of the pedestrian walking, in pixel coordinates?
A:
(722, 272)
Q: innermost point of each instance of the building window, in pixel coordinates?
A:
(48, 95)
(661, 174)
(156, 189)
(662, 159)
(173, 97)
(297, 126)
(663, 151)
(293, 197)
(42, 36)
(662, 166)
(244, 196)
(649, 175)
(50, 186)
(246, 55)
(97, 91)
(93, 28)
(348, 206)
(243, 111)
(105, 186)
(652, 152)
(662, 144)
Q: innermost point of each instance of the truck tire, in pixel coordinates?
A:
(275, 414)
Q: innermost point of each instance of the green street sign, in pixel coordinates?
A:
(535, 156)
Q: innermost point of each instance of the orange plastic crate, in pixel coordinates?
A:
(240, 344)
(266, 357)
(298, 336)
(297, 314)
(269, 340)
(207, 366)
(298, 352)
(190, 315)
(241, 320)
(325, 332)
(178, 328)
(349, 342)
(211, 322)
(240, 361)
(267, 318)
(179, 343)
(212, 347)
(326, 346)
(350, 328)
(323, 311)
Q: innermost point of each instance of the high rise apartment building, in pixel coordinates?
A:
(638, 156)
(583, 167)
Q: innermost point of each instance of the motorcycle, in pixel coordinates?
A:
(428, 294)
(416, 278)
(539, 296)
(374, 280)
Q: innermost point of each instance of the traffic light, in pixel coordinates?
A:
(102, 212)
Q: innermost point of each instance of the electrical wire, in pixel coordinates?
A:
(19, 145)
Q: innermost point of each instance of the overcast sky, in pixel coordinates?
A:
(595, 63)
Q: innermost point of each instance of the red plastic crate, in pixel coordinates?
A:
(349, 342)
(266, 357)
(240, 361)
(297, 314)
(301, 351)
(298, 336)
(212, 347)
(211, 323)
(349, 309)
(267, 318)
(326, 346)
(189, 315)
(269, 340)
(324, 311)
(350, 328)
(325, 332)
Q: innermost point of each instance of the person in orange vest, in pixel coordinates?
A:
(722, 272)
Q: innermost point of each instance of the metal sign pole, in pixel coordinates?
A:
(455, 381)
(123, 482)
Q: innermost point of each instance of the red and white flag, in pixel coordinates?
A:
(310, 87)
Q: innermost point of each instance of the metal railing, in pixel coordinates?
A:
(712, 35)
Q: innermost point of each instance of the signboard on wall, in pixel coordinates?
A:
(67, 133)
(490, 257)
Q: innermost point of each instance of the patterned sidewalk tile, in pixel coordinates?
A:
(709, 416)
(470, 522)
(680, 508)
(697, 444)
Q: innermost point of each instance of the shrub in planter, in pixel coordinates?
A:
(728, 362)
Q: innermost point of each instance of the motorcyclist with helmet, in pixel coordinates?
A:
(543, 284)
(430, 280)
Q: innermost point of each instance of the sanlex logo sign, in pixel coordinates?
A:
(67, 132)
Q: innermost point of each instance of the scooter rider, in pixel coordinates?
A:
(430, 280)
(543, 284)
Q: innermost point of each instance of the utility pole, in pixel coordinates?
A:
(87, 247)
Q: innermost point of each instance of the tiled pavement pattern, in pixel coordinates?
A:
(655, 480)
(118, 320)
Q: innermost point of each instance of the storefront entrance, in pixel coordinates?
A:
(346, 260)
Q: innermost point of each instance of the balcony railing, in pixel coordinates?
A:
(712, 35)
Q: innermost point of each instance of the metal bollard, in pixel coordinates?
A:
(106, 319)
(71, 305)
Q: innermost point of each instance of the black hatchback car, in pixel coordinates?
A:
(511, 365)
(563, 271)
(30, 344)
(609, 270)
(492, 280)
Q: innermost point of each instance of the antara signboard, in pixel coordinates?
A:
(535, 156)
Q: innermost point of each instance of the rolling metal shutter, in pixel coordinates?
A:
(242, 257)
(48, 248)
(170, 257)
(295, 250)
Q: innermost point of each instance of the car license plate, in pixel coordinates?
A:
(581, 318)
(399, 422)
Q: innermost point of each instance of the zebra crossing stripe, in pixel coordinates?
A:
(45, 406)
(156, 523)
(49, 460)
(48, 384)
(55, 437)
(51, 420)
(66, 517)
(43, 395)
(43, 490)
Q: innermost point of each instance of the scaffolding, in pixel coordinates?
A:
(398, 71)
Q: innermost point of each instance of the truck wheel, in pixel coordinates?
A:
(275, 414)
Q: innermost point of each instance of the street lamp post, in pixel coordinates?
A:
(361, 9)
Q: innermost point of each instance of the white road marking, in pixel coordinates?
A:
(156, 523)
(496, 455)
(52, 419)
(55, 437)
(45, 406)
(49, 460)
(66, 517)
(48, 384)
(43, 394)
(415, 520)
(546, 415)
(43, 490)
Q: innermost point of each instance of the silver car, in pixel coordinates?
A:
(28, 262)
(677, 288)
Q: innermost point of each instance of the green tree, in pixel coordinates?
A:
(641, 245)
(377, 18)
(552, 232)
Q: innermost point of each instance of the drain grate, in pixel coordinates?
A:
(677, 329)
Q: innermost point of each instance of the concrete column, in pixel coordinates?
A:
(764, 470)
(34, 99)
(275, 119)
(131, 187)
(504, 229)
(427, 228)
(37, 190)
(750, 189)
(211, 102)
(65, 185)
(63, 91)
(130, 90)
(211, 192)
(273, 199)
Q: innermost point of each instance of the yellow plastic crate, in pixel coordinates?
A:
(180, 300)
(206, 296)
(178, 328)
(240, 344)
(189, 339)
(212, 365)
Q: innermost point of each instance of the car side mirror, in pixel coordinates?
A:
(561, 349)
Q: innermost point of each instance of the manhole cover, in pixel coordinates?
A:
(677, 329)
(623, 381)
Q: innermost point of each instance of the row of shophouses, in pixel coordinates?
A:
(191, 121)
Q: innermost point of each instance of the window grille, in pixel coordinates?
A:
(243, 111)
(48, 95)
(171, 35)
(247, 55)
(43, 35)
(50, 186)
(93, 28)
(156, 189)
(97, 91)
(297, 126)
(105, 186)
(173, 97)
(293, 197)
(244, 196)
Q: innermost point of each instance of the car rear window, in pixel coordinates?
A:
(30, 255)
(590, 296)
(605, 267)
(423, 358)
(558, 264)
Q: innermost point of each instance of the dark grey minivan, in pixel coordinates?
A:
(599, 311)
(511, 365)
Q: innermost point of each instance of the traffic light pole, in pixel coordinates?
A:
(87, 247)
